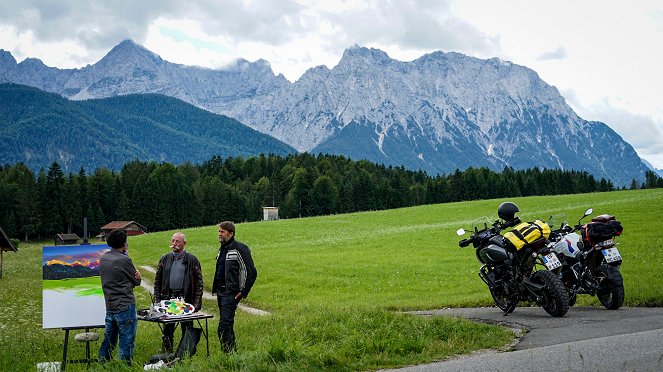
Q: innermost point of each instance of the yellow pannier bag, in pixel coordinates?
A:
(527, 232)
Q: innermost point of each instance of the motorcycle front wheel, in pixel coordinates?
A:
(502, 300)
(611, 292)
(555, 299)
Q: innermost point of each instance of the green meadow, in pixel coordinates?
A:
(337, 286)
(84, 286)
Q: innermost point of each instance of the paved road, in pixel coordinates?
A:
(585, 339)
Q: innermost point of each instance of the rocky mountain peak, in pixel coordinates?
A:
(241, 65)
(6, 58)
(356, 56)
(32, 63)
(128, 52)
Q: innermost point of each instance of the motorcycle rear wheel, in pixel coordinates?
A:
(610, 294)
(555, 297)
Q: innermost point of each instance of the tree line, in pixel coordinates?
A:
(164, 196)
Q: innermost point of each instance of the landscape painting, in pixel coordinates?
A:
(72, 294)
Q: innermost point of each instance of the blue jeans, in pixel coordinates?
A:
(120, 325)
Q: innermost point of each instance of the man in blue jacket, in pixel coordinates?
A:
(234, 276)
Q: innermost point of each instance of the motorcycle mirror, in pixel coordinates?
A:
(460, 232)
(587, 213)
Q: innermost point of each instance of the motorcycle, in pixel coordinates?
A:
(512, 274)
(590, 261)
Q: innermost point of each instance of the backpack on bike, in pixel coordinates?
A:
(528, 233)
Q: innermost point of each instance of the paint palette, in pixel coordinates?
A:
(174, 307)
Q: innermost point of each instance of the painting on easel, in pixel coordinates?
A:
(72, 294)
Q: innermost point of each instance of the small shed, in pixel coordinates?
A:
(270, 213)
(131, 227)
(66, 239)
(5, 246)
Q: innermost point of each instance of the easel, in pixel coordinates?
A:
(88, 358)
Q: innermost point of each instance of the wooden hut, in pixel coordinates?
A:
(131, 227)
(6, 245)
(66, 239)
(270, 213)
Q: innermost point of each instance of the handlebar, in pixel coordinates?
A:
(465, 242)
(507, 224)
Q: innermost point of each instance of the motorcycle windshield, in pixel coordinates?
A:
(481, 223)
(557, 220)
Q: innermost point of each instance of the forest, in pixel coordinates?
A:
(163, 196)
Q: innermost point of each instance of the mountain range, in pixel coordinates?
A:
(38, 128)
(437, 113)
(59, 271)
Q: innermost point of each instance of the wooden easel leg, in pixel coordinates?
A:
(87, 348)
(64, 350)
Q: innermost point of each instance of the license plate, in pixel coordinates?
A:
(611, 255)
(605, 244)
(551, 261)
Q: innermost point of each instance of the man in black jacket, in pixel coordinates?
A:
(178, 275)
(233, 279)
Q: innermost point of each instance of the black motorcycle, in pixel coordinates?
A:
(590, 259)
(512, 275)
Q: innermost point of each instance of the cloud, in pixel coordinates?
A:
(420, 25)
(95, 24)
(559, 53)
(100, 25)
(644, 133)
(272, 22)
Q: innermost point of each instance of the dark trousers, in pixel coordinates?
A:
(227, 307)
(169, 329)
(169, 334)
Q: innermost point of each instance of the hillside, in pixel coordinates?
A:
(38, 128)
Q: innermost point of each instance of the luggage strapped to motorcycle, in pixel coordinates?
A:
(527, 233)
(603, 218)
(596, 231)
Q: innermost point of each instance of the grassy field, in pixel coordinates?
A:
(335, 285)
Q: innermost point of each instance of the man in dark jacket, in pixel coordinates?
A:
(118, 279)
(233, 279)
(178, 275)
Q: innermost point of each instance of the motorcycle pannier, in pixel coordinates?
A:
(596, 232)
(527, 232)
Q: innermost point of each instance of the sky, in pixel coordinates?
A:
(604, 56)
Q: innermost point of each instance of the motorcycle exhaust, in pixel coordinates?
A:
(486, 277)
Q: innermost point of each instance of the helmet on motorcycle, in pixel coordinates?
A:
(507, 211)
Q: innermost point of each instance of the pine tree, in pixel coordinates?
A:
(54, 217)
(324, 198)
